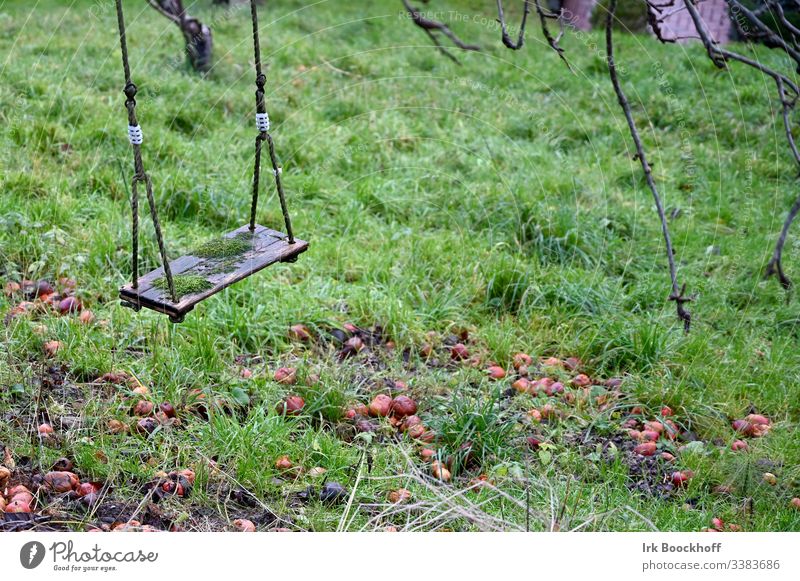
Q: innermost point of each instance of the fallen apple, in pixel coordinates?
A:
(299, 333)
(581, 380)
(743, 427)
(143, 408)
(552, 362)
(146, 426)
(428, 436)
(5, 476)
(41, 288)
(758, 420)
(292, 405)
(399, 496)
(69, 305)
(85, 488)
(681, 478)
(52, 347)
(646, 449)
(459, 352)
(15, 490)
(650, 435)
(770, 478)
(60, 482)
(286, 375)
(522, 360)
(188, 474)
(522, 385)
(11, 288)
(740, 446)
(403, 406)
(168, 409)
(21, 496)
(45, 430)
(440, 472)
(354, 344)
(245, 526)
(496, 372)
(416, 431)
(427, 454)
(795, 503)
(666, 411)
(116, 427)
(380, 406)
(657, 427)
(18, 506)
(86, 317)
(409, 422)
(283, 463)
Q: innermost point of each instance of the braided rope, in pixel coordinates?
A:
(136, 139)
(262, 124)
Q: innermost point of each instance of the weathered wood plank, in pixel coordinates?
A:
(269, 247)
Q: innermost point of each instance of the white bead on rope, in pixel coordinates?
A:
(262, 122)
(135, 134)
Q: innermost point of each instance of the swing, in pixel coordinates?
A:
(177, 286)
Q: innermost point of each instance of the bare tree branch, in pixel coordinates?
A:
(433, 26)
(501, 18)
(720, 56)
(199, 43)
(678, 292)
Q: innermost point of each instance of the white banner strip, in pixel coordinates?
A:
(465, 556)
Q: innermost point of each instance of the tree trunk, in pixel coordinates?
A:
(199, 45)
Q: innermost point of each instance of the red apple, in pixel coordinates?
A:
(403, 406)
(292, 405)
(646, 449)
(459, 352)
(286, 375)
(69, 305)
(299, 333)
(379, 407)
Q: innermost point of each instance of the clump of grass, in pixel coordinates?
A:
(185, 284)
(224, 247)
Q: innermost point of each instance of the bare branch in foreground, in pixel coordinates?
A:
(501, 18)
(678, 292)
(433, 26)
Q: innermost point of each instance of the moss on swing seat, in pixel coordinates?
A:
(225, 247)
(185, 284)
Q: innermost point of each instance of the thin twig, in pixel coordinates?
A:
(678, 292)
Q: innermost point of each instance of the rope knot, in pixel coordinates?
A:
(130, 91)
(261, 80)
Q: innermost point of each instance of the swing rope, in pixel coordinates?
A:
(262, 124)
(136, 139)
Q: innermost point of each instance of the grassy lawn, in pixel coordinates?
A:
(495, 204)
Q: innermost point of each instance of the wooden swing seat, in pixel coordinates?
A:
(268, 247)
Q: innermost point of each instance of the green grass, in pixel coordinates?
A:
(499, 196)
